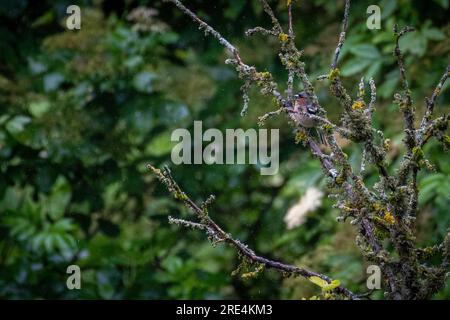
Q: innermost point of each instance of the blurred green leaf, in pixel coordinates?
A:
(434, 34)
(59, 198)
(366, 51)
(414, 42)
(160, 145)
(354, 66)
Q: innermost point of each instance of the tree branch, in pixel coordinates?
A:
(342, 35)
(371, 210)
(431, 102)
(216, 234)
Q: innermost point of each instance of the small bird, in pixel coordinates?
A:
(302, 107)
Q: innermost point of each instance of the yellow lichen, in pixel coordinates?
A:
(253, 274)
(358, 105)
(325, 285)
(377, 206)
(264, 75)
(179, 195)
(346, 209)
(300, 137)
(388, 217)
(328, 128)
(361, 92)
(283, 37)
(334, 73)
(387, 144)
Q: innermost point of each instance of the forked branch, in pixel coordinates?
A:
(387, 209)
(216, 234)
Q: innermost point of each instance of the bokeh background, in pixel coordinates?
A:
(82, 112)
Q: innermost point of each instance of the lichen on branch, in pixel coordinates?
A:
(386, 210)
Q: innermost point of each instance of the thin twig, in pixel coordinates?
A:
(373, 97)
(397, 194)
(406, 101)
(342, 35)
(269, 11)
(261, 30)
(209, 30)
(432, 101)
(291, 28)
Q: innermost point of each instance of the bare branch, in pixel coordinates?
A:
(390, 206)
(216, 234)
(399, 56)
(373, 97)
(291, 28)
(290, 84)
(208, 29)
(269, 11)
(361, 92)
(262, 119)
(405, 101)
(433, 128)
(342, 35)
(189, 224)
(261, 30)
(431, 102)
(325, 160)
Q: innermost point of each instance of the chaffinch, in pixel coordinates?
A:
(302, 107)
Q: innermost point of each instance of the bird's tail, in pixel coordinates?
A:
(322, 138)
